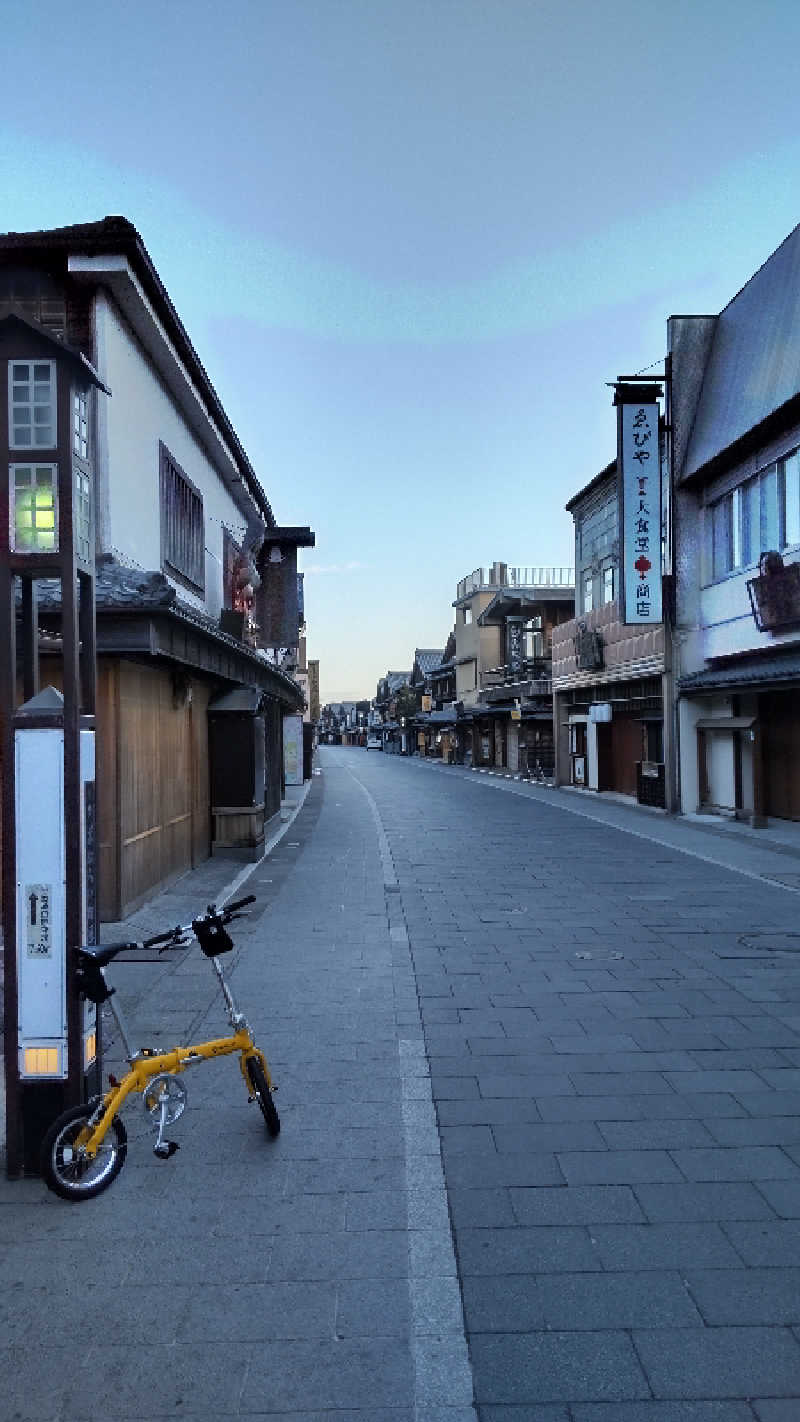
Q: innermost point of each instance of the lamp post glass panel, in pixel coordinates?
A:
(34, 494)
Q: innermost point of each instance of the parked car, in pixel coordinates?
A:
(374, 742)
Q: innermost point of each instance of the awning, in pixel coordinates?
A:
(726, 723)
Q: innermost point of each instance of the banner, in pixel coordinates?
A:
(639, 474)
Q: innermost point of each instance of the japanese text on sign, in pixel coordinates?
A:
(641, 513)
(37, 919)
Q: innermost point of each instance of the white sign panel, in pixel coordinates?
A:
(640, 513)
(293, 750)
(41, 947)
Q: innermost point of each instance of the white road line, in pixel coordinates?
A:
(442, 1373)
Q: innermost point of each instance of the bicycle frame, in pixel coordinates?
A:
(145, 1064)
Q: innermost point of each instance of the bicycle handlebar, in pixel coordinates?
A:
(173, 936)
(240, 903)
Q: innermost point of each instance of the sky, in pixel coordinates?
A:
(412, 241)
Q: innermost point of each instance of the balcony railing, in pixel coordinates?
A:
(501, 576)
(529, 670)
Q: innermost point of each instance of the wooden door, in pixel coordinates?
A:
(779, 713)
(605, 757)
(626, 743)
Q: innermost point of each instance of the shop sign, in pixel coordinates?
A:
(639, 463)
(514, 643)
(775, 593)
(588, 649)
(600, 711)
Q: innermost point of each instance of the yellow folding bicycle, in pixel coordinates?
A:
(85, 1148)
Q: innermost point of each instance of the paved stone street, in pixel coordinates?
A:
(577, 1046)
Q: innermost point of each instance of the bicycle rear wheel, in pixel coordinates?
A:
(69, 1173)
(263, 1095)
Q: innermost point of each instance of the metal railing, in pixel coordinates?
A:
(501, 576)
(526, 671)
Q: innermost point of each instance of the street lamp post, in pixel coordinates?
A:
(47, 745)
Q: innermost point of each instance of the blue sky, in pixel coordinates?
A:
(412, 240)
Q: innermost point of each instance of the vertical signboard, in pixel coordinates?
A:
(639, 466)
(41, 923)
(293, 750)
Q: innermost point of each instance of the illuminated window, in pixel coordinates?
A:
(34, 508)
(32, 404)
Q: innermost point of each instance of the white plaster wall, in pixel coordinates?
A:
(591, 755)
(728, 623)
(689, 713)
(139, 414)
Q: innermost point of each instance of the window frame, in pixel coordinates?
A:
(80, 423)
(31, 404)
(32, 464)
(187, 564)
(749, 518)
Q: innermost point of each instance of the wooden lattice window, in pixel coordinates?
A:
(182, 529)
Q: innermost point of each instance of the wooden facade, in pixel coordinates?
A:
(152, 828)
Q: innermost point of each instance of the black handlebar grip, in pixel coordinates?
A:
(240, 903)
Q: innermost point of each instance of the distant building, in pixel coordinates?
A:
(608, 678)
(506, 618)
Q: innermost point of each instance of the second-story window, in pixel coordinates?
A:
(80, 423)
(32, 404)
(588, 591)
(608, 584)
(759, 515)
(182, 530)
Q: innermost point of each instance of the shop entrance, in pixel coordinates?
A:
(779, 715)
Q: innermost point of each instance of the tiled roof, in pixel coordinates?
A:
(132, 590)
(428, 658)
(753, 670)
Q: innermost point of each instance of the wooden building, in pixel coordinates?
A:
(196, 587)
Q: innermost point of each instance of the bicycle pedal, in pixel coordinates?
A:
(166, 1149)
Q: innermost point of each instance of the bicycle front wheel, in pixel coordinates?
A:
(263, 1095)
(67, 1171)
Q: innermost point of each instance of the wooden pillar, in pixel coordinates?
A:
(758, 818)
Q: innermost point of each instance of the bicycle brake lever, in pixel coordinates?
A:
(174, 943)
